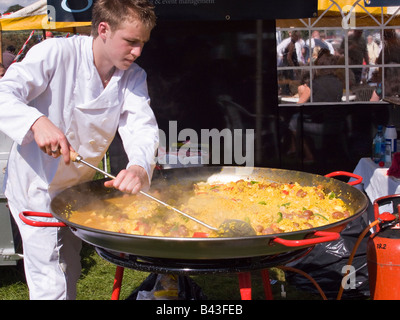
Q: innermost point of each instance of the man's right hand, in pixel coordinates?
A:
(50, 139)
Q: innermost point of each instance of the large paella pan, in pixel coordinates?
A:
(196, 246)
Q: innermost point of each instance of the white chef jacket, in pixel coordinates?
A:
(58, 79)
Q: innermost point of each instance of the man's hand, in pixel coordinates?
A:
(130, 180)
(50, 139)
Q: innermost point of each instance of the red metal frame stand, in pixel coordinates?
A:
(244, 284)
(119, 273)
(267, 284)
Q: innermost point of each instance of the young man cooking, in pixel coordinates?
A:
(74, 94)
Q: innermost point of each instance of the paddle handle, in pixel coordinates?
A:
(75, 157)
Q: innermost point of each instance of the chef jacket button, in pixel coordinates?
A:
(92, 142)
(104, 121)
(71, 135)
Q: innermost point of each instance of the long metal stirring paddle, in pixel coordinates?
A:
(75, 157)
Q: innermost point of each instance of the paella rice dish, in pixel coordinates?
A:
(268, 207)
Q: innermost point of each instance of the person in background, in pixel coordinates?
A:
(73, 94)
(9, 56)
(280, 49)
(290, 53)
(49, 35)
(357, 50)
(290, 58)
(304, 93)
(373, 54)
(392, 85)
(326, 87)
(318, 42)
(373, 49)
(391, 55)
(391, 48)
(303, 89)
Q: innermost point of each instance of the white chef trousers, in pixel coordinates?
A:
(51, 260)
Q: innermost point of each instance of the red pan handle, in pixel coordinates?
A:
(347, 174)
(200, 235)
(24, 214)
(322, 236)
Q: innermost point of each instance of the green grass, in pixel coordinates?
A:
(12, 284)
(97, 279)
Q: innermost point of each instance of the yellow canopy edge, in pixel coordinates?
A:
(37, 22)
(334, 11)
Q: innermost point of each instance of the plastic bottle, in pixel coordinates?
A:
(378, 146)
(388, 154)
(391, 137)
